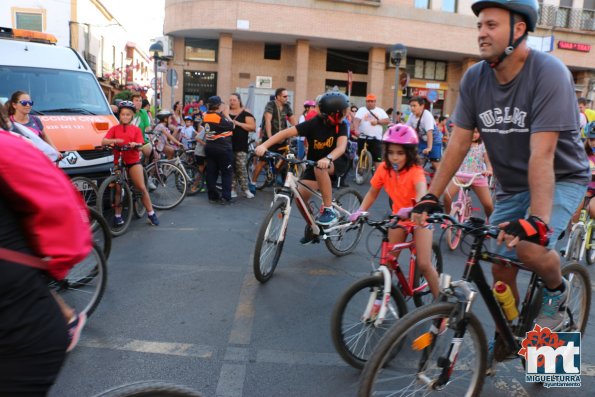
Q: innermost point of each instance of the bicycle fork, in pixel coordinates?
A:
(372, 311)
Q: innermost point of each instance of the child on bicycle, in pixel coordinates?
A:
(476, 161)
(326, 135)
(590, 149)
(404, 182)
(187, 132)
(128, 134)
(164, 135)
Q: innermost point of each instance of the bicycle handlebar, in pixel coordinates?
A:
(290, 160)
(474, 226)
(122, 148)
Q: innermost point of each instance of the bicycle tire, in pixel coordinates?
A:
(197, 183)
(87, 188)
(453, 237)
(579, 308)
(106, 206)
(87, 278)
(574, 248)
(102, 235)
(366, 335)
(383, 366)
(149, 389)
(363, 168)
(263, 270)
(170, 183)
(590, 252)
(425, 297)
(350, 200)
(374, 242)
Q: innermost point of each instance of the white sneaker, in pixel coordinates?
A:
(248, 194)
(234, 194)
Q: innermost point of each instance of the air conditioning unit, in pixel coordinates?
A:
(168, 45)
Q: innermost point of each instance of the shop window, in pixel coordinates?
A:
(272, 51)
(358, 88)
(201, 50)
(344, 61)
(198, 84)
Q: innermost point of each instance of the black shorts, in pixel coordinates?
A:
(374, 147)
(200, 160)
(340, 167)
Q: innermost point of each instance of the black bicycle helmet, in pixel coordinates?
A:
(528, 9)
(590, 130)
(163, 115)
(332, 105)
(126, 105)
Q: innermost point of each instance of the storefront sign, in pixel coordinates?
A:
(424, 92)
(567, 45)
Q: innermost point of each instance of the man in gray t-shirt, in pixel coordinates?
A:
(523, 104)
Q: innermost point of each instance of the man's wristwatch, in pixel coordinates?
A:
(330, 158)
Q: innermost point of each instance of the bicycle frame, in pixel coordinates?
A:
(464, 197)
(586, 224)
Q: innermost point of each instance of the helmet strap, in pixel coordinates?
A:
(512, 44)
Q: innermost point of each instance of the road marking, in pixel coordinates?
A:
(299, 358)
(231, 380)
(144, 346)
(241, 331)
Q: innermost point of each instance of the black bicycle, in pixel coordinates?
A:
(442, 347)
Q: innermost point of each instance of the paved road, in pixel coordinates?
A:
(183, 306)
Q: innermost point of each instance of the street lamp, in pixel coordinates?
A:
(156, 49)
(397, 52)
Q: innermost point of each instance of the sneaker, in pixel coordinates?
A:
(553, 308)
(74, 328)
(118, 221)
(327, 217)
(153, 220)
(151, 185)
(234, 194)
(248, 194)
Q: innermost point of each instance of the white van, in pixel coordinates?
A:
(66, 94)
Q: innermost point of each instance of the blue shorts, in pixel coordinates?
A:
(567, 198)
(436, 152)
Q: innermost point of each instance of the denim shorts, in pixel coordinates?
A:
(436, 152)
(567, 198)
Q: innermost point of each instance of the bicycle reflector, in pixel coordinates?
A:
(422, 341)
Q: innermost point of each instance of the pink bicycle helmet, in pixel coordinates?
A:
(400, 134)
(309, 103)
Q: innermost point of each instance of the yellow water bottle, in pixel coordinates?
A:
(504, 296)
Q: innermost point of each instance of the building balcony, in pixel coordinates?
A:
(554, 17)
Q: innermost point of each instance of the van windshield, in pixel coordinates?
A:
(54, 91)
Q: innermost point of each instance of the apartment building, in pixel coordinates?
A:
(308, 46)
(89, 28)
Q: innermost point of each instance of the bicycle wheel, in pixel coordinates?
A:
(102, 236)
(342, 241)
(87, 188)
(106, 204)
(410, 358)
(590, 250)
(363, 168)
(170, 185)
(138, 208)
(197, 182)
(453, 235)
(578, 304)
(354, 336)
(84, 285)
(149, 389)
(269, 243)
(374, 242)
(425, 296)
(574, 247)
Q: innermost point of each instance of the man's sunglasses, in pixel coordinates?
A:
(26, 103)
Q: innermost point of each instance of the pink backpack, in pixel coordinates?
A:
(53, 213)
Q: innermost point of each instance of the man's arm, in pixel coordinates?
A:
(268, 117)
(451, 161)
(277, 138)
(384, 121)
(292, 120)
(541, 173)
(356, 123)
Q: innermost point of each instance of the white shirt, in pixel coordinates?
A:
(426, 124)
(365, 126)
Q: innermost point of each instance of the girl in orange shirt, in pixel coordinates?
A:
(404, 182)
